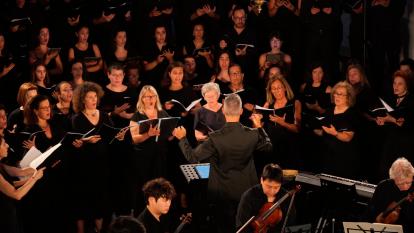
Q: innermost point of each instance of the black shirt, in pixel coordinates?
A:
(152, 225)
(387, 192)
(252, 201)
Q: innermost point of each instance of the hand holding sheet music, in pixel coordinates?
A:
(34, 158)
(160, 127)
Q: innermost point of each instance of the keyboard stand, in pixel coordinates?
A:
(337, 197)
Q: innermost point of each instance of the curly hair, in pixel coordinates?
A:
(158, 188)
(80, 93)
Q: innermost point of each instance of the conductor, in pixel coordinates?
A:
(230, 153)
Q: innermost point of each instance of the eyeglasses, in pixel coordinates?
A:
(340, 94)
(236, 73)
(149, 97)
(44, 108)
(240, 18)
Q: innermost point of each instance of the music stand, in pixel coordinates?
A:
(365, 227)
(306, 228)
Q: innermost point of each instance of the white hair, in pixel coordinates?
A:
(401, 169)
(210, 87)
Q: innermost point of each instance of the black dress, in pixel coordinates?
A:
(120, 155)
(8, 212)
(149, 159)
(98, 76)
(43, 207)
(154, 76)
(90, 170)
(311, 95)
(214, 120)
(285, 143)
(175, 158)
(340, 158)
(398, 141)
(247, 96)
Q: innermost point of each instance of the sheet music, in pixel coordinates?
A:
(387, 106)
(40, 159)
(32, 154)
(189, 107)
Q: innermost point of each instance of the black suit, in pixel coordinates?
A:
(232, 170)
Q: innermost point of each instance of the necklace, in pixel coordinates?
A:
(94, 114)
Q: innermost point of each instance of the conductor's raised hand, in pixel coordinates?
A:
(256, 119)
(179, 132)
(153, 131)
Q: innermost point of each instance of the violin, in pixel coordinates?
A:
(270, 214)
(392, 213)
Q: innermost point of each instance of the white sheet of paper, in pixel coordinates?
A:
(30, 155)
(387, 106)
(40, 159)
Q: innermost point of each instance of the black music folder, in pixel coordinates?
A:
(166, 125)
(24, 136)
(203, 128)
(20, 21)
(72, 136)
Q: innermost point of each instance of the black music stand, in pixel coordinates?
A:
(306, 228)
(364, 227)
(337, 198)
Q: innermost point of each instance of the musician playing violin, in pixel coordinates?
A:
(397, 189)
(268, 191)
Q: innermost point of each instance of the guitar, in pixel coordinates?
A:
(185, 219)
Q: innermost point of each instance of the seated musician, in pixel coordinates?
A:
(158, 194)
(392, 190)
(269, 190)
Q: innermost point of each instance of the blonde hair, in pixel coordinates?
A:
(140, 103)
(349, 91)
(401, 169)
(269, 96)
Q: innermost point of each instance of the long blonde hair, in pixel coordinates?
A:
(269, 96)
(140, 103)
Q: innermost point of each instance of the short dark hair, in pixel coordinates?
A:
(272, 172)
(115, 66)
(126, 224)
(158, 188)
